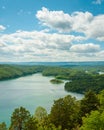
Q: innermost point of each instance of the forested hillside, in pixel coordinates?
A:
(15, 71)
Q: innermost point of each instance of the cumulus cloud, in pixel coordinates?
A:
(82, 22)
(36, 44)
(77, 21)
(85, 48)
(2, 28)
(55, 19)
(43, 46)
(96, 28)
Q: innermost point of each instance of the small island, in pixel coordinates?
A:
(56, 81)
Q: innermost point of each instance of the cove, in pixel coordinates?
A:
(30, 92)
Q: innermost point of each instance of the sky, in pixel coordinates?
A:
(51, 30)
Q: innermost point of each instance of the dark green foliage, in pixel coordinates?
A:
(95, 119)
(58, 72)
(85, 82)
(3, 126)
(64, 113)
(101, 99)
(15, 71)
(31, 124)
(56, 81)
(88, 103)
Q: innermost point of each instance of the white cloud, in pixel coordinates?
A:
(85, 48)
(96, 28)
(58, 20)
(43, 46)
(2, 28)
(55, 19)
(34, 45)
(82, 22)
(100, 54)
(97, 2)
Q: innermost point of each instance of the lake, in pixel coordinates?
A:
(30, 92)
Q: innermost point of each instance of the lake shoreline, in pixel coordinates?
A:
(30, 92)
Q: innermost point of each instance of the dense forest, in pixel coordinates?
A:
(15, 71)
(85, 82)
(67, 113)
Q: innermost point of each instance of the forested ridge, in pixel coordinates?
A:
(15, 71)
(66, 113)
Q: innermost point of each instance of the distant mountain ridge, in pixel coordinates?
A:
(87, 63)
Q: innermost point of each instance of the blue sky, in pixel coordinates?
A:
(51, 30)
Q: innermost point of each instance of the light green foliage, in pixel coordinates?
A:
(50, 127)
(19, 117)
(43, 120)
(64, 112)
(3, 126)
(94, 121)
(40, 113)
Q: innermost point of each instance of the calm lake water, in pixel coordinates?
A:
(29, 92)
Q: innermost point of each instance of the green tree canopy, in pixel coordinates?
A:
(101, 98)
(88, 103)
(40, 113)
(3, 126)
(93, 121)
(64, 112)
(19, 117)
(31, 124)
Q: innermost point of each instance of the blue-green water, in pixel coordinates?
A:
(29, 92)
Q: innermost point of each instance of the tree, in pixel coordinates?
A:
(31, 124)
(93, 121)
(3, 126)
(40, 113)
(64, 112)
(49, 127)
(19, 117)
(101, 98)
(88, 103)
(42, 117)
